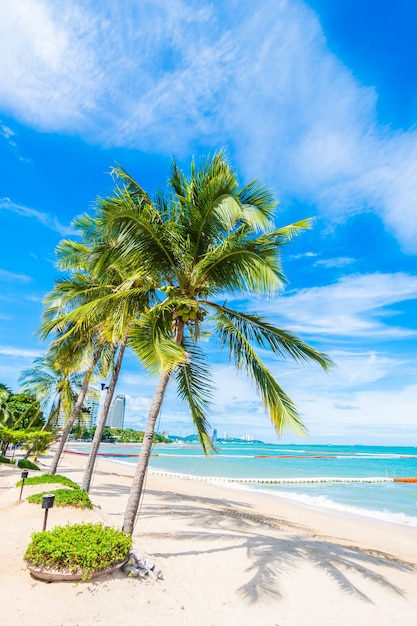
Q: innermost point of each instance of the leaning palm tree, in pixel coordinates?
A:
(53, 384)
(83, 352)
(92, 279)
(207, 238)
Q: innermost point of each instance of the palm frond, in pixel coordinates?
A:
(280, 407)
(195, 387)
(256, 329)
(151, 339)
(238, 264)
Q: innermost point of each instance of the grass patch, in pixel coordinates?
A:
(77, 549)
(65, 497)
(49, 479)
(25, 464)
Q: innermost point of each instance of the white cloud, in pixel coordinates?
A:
(355, 306)
(12, 277)
(335, 262)
(8, 134)
(387, 415)
(18, 352)
(46, 219)
(162, 75)
(43, 66)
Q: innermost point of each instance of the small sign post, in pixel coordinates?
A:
(47, 503)
(23, 475)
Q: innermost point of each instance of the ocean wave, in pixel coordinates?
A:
(323, 502)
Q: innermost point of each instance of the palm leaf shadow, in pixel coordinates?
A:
(271, 555)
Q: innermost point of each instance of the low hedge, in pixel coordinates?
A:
(49, 479)
(77, 549)
(65, 497)
(23, 463)
(26, 464)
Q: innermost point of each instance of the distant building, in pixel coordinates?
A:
(116, 416)
(91, 407)
(89, 411)
(214, 438)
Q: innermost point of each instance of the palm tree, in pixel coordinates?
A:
(208, 238)
(94, 356)
(90, 279)
(53, 384)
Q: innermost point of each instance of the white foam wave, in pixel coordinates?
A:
(323, 502)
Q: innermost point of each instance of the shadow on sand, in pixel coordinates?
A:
(270, 554)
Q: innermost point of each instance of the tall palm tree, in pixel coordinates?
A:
(90, 279)
(207, 238)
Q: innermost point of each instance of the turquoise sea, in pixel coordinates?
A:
(249, 462)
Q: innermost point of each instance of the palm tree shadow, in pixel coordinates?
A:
(271, 556)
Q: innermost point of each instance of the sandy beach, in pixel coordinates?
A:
(228, 557)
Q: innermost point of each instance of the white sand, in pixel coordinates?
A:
(228, 557)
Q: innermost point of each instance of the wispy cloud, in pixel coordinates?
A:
(162, 74)
(11, 277)
(48, 220)
(18, 352)
(335, 262)
(8, 134)
(355, 306)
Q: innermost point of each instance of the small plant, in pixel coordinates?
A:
(49, 479)
(65, 497)
(77, 549)
(5, 459)
(25, 464)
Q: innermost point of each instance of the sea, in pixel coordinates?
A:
(354, 480)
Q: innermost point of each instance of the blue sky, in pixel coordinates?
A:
(318, 99)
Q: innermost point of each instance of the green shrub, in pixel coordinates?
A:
(5, 459)
(65, 497)
(25, 464)
(49, 478)
(77, 549)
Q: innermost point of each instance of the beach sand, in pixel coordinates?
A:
(228, 557)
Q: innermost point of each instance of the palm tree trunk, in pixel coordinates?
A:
(145, 451)
(88, 473)
(146, 447)
(75, 413)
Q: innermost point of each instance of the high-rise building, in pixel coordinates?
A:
(89, 411)
(116, 416)
(91, 407)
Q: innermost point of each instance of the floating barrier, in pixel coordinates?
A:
(300, 480)
(112, 454)
(293, 456)
(275, 481)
